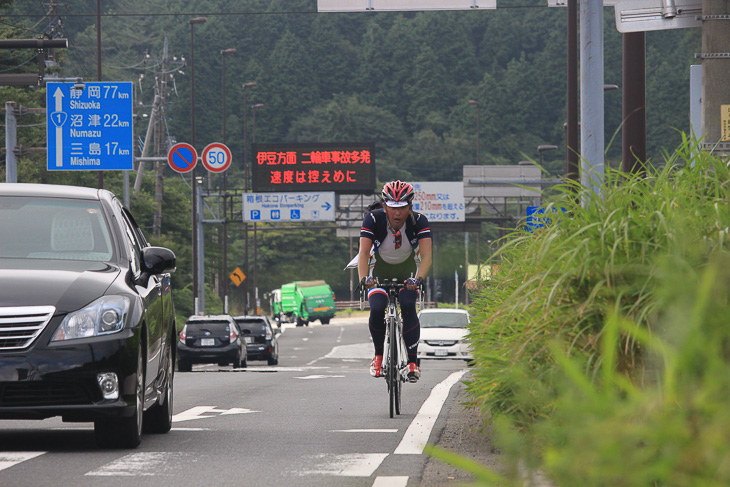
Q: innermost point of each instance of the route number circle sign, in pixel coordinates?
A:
(182, 157)
(216, 157)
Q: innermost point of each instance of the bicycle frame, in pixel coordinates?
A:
(395, 353)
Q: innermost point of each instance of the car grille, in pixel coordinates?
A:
(441, 343)
(30, 394)
(19, 326)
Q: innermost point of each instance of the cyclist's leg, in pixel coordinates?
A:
(411, 326)
(378, 300)
(411, 329)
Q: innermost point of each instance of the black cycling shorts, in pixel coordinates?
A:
(386, 272)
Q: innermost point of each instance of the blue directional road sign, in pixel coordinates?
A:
(289, 207)
(90, 129)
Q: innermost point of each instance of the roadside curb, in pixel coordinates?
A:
(466, 434)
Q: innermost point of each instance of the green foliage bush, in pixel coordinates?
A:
(602, 347)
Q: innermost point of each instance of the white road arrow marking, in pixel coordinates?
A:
(239, 411)
(8, 459)
(199, 412)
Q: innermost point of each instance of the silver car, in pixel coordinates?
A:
(443, 334)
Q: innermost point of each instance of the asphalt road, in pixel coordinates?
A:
(316, 419)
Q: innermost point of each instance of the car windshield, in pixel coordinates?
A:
(255, 326)
(208, 323)
(53, 228)
(443, 320)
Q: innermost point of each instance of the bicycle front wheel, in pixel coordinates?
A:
(394, 382)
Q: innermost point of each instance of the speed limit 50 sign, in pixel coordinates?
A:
(216, 157)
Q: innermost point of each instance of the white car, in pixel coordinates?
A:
(443, 333)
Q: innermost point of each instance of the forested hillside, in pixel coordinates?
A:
(401, 80)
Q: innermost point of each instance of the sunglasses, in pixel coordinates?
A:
(398, 239)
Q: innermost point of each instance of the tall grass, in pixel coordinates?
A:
(602, 346)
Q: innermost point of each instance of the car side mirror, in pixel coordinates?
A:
(158, 260)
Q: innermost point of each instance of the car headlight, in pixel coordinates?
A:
(105, 315)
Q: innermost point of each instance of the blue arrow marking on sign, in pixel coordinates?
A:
(90, 129)
(255, 215)
(326, 206)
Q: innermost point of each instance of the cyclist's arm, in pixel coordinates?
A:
(425, 251)
(363, 257)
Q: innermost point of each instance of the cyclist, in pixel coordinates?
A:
(395, 243)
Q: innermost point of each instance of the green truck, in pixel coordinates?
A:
(302, 302)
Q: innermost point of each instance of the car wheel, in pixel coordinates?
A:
(124, 432)
(324, 321)
(158, 419)
(273, 361)
(244, 362)
(184, 365)
(237, 362)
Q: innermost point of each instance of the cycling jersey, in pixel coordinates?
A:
(375, 227)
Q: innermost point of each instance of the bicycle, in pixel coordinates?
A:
(395, 358)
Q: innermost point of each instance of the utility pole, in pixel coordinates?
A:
(161, 81)
(715, 68)
(633, 103)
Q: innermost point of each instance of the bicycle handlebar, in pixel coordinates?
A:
(394, 285)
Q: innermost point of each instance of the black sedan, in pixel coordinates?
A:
(209, 340)
(87, 324)
(261, 340)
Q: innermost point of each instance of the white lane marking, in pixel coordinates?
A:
(182, 428)
(255, 368)
(321, 377)
(390, 481)
(143, 464)
(339, 337)
(348, 465)
(417, 434)
(10, 458)
(373, 430)
(348, 352)
(199, 412)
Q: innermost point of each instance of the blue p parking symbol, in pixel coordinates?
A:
(255, 214)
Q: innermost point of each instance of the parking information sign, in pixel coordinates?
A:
(89, 129)
(289, 207)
